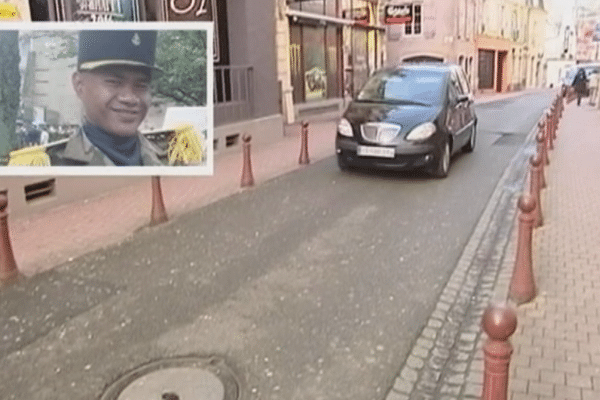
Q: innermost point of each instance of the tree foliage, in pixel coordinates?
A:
(10, 83)
(182, 57)
(59, 44)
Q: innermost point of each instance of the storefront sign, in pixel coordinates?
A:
(98, 10)
(359, 14)
(195, 10)
(398, 14)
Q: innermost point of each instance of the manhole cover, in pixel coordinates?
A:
(183, 378)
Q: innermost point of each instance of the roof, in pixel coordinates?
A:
(427, 66)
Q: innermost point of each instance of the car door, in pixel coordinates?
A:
(470, 118)
(455, 111)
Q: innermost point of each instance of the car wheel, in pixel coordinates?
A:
(443, 163)
(469, 147)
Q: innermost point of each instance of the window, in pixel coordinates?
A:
(463, 81)
(456, 84)
(414, 27)
(404, 86)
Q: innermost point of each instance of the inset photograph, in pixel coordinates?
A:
(110, 98)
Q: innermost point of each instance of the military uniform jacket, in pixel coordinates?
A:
(80, 151)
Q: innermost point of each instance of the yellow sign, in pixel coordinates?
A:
(29, 156)
(9, 11)
(315, 83)
(185, 148)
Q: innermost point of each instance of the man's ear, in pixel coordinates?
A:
(77, 81)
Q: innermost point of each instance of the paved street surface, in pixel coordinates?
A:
(314, 285)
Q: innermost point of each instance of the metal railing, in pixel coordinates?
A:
(233, 94)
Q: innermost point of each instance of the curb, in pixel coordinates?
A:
(466, 377)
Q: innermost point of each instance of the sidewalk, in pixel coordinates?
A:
(489, 97)
(45, 240)
(557, 342)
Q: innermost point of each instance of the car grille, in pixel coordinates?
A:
(379, 132)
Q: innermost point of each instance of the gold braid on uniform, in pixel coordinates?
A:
(29, 156)
(186, 148)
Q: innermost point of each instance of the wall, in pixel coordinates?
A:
(252, 42)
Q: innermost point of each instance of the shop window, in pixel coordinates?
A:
(315, 70)
(333, 65)
(414, 27)
(315, 62)
(331, 8)
(296, 62)
(313, 6)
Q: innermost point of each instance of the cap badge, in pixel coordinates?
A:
(136, 40)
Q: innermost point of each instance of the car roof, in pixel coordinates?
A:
(585, 66)
(441, 68)
(428, 65)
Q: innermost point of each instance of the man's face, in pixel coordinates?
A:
(114, 98)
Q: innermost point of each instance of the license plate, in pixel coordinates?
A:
(370, 151)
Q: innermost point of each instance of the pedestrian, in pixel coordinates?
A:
(33, 135)
(112, 81)
(44, 136)
(580, 85)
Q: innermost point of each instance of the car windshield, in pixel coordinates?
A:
(404, 86)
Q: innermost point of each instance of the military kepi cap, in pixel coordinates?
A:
(99, 48)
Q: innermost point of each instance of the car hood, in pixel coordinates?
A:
(408, 116)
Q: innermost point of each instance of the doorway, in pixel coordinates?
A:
(500, 70)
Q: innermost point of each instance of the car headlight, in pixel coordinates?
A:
(422, 132)
(344, 128)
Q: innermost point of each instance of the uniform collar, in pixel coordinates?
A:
(80, 149)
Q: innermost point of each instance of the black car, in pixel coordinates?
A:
(414, 116)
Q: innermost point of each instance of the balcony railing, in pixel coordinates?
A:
(233, 94)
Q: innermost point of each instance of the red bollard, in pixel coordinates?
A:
(247, 178)
(560, 107)
(554, 120)
(8, 264)
(303, 159)
(542, 132)
(549, 134)
(522, 285)
(158, 214)
(535, 188)
(499, 323)
(541, 150)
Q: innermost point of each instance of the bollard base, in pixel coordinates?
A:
(12, 279)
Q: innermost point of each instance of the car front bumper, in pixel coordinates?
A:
(407, 156)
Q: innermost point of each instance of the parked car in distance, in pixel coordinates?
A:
(413, 116)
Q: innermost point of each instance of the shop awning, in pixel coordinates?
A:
(319, 17)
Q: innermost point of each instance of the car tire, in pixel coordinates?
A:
(342, 164)
(470, 146)
(443, 162)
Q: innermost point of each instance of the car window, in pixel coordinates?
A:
(455, 82)
(453, 90)
(404, 85)
(464, 82)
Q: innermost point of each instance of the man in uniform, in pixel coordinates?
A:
(114, 70)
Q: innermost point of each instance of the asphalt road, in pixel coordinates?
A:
(312, 286)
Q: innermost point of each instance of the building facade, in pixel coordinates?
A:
(443, 31)
(326, 50)
(510, 45)
(499, 43)
(246, 93)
